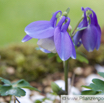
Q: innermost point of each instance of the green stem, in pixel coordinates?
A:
(10, 98)
(73, 33)
(66, 66)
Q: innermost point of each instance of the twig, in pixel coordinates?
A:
(14, 99)
(17, 100)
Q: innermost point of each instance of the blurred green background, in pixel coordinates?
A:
(15, 15)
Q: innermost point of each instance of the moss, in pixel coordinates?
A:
(31, 64)
(28, 63)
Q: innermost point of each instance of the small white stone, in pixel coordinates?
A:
(88, 80)
(52, 97)
(60, 83)
(47, 101)
(74, 91)
(37, 97)
(99, 68)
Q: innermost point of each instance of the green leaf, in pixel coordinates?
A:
(58, 59)
(45, 99)
(38, 101)
(82, 58)
(9, 90)
(24, 84)
(88, 87)
(15, 88)
(50, 55)
(88, 92)
(55, 87)
(97, 85)
(101, 74)
(79, 29)
(67, 10)
(98, 81)
(5, 81)
(53, 93)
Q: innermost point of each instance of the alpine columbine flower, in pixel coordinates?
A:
(91, 36)
(51, 37)
(63, 42)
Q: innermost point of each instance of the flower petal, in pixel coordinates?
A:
(95, 23)
(89, 38)
(61, 22)
(63, 44)
(65, 26)
(26, 38)
(73, 51)
(44, 50)
(98, 39)
(40, 29)
(48, 44)
(54, 17)
(77, 37)
(93, 16)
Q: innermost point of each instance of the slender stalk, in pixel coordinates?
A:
(10, 98)
(73, 33)
(76, 26)
(66, 66)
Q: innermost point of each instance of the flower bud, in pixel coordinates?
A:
(65, 13)
(69, 28)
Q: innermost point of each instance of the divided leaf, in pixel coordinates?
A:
(88, 92)
(5, 81)
(15, 88)
(24, 84)
(9, 90)
(97, 85)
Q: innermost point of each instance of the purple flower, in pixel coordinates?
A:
(91, 36)
(41, 29)
(51, 37)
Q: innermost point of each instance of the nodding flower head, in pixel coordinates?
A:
(51, 37)
(91, 36)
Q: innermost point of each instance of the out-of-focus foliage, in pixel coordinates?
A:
(15, 15)
(27, 63)
(14, 89)
(24, 61)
